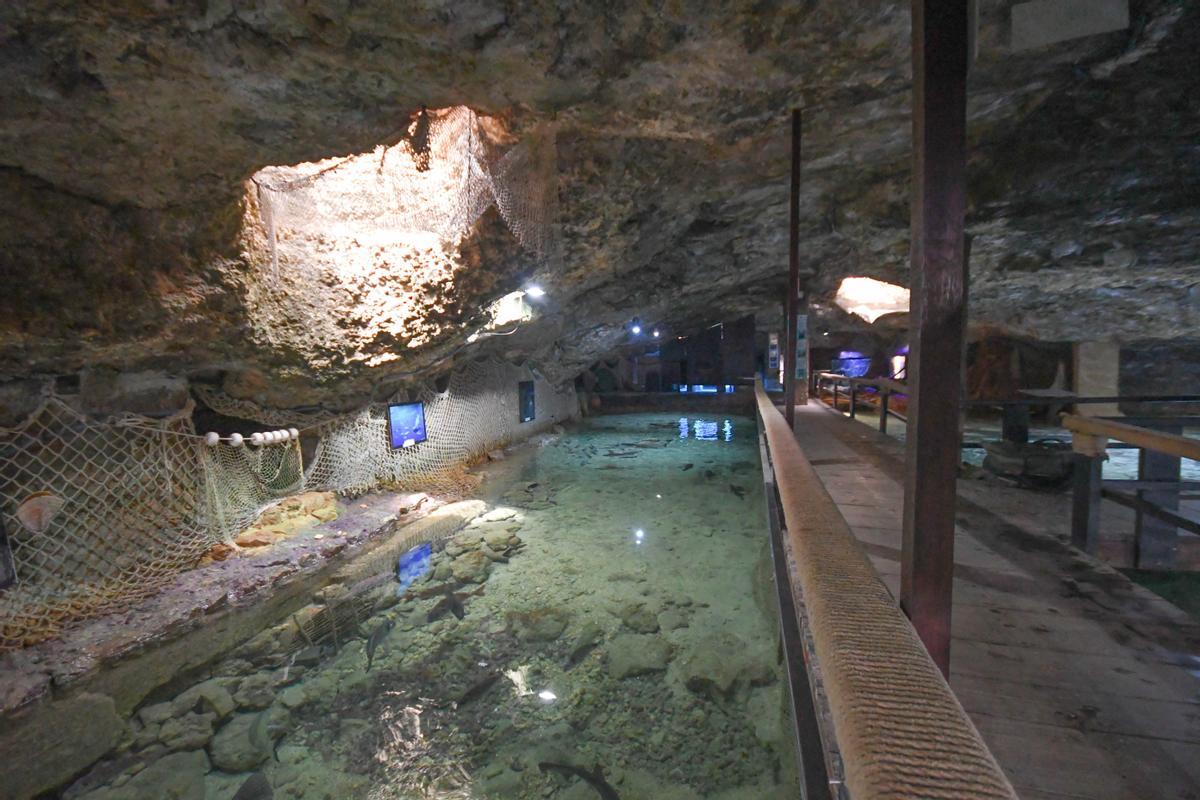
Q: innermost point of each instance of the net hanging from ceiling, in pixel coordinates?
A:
(448, 168)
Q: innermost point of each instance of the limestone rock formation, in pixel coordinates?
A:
(133, 239)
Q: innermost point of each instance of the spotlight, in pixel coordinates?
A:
(636, 329)
(535, 291)
(655, 334)
(547, 696)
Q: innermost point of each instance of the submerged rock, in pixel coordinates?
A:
(542, 624)
(471, 567)
(632, 654)
(640, 617)
(178, 776)
(211, 696)
(240, 745)
(189, 732)
(256, 691)
(717, 665)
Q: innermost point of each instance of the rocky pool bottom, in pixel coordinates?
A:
(605, 626)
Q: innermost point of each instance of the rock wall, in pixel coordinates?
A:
(131, 240)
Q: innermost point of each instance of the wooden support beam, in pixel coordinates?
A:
(883, 410)
(792, 302)
(939, 52)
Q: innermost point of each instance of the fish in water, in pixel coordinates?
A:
(256, 787)
(451, 603)
(477, 689)
(738, 490)
(593, 778)
(377, 636)
(687, 466)
(708, 473)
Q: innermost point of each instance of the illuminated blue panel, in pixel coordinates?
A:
(704, 388)
(706, 431)
(406, 424)
(852, 363)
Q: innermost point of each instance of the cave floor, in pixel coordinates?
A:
(1084, 684)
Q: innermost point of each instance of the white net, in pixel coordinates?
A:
(99, 513)
(450, 166)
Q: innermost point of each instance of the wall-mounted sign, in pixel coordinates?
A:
(802, 347)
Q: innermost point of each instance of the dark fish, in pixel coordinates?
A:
(532, 486)
(686, 467)
(377, 636)
(708, 473)
(256, 787)
(585, 643)
(738, 490)
(593, 778)
(478, 689)
(451, 603)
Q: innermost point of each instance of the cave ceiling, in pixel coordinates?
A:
(129, 237)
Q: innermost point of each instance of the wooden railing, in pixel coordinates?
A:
(897, 728)
(1154, 496)
(884, 388)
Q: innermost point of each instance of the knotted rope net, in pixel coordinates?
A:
(449, 167)
(99, 513)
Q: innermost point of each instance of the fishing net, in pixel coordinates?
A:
(103, 512)
(128, 501)
(449, 167)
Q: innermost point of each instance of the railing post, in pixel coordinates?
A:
(1158, 540)
(853, 397)
(1015, 427)
(884, 394)
(835, 394)
(1085, 503)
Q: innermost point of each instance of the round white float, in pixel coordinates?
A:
(235, 440)
(212, 438)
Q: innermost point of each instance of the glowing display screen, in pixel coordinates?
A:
(406, 424)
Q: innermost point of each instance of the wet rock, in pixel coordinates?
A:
(543, 624)
(56, 741)
(158, 713)
(189, 732)
(256, 691)
(637, 654)
(672, 619)
(498, 540)
(588, 637)
(293, 697)
(211, 696)
(716, 665)
(640, 617)
(495, 515)
(471, 567)
(240, 745)
(442, 571)
(178, 776)
(146, 735)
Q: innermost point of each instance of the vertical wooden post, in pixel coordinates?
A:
(884, 394)
(1158, 540)
(853, 398)
(1085, 502)
(793, 284)
(835, 394)
(939, 52)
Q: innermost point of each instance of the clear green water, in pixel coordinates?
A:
(633, 630)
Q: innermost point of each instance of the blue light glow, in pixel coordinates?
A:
(704, 388)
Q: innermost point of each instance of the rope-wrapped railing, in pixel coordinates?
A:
(900, 730)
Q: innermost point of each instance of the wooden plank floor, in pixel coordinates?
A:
(1083, 684)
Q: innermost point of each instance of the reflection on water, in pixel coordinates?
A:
(606, 629)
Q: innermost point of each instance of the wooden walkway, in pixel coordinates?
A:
(1083, 684)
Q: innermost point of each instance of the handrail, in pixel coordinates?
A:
(1091, 434)
(900, 730)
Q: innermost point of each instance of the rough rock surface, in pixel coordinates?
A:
(130, 132)
(631, 654)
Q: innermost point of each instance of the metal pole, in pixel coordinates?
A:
(939, 52)
(793, 284)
